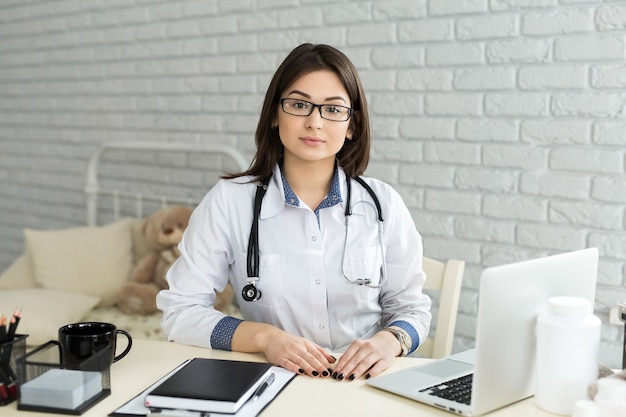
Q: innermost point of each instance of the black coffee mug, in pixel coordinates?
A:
(90, 346)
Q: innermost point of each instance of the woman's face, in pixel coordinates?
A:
(313, 138)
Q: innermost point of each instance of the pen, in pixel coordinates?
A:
(263, 386)
(15, 320)
(5, 358)
(3, 329)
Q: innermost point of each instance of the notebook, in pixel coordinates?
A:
(210, 385)
(500, 368)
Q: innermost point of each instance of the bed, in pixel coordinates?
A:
(74, 274)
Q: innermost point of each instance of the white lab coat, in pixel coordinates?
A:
(303, 289)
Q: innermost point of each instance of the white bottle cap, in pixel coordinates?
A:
(566, 306)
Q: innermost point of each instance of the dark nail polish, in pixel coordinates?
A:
(368, 376)
(340, 377)
(325, 373)
(315, 373)
(301, 370)
(351, 377)
(334, 375)
(333, 358)
(330, 371)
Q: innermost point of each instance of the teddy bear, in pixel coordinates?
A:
(161, 232)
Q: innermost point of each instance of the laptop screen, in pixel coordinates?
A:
(510, 299)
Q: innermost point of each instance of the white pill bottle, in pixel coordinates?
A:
(568, 345)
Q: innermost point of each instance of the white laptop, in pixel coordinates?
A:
(501, 365)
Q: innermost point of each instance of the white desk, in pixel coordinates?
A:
(304, 396)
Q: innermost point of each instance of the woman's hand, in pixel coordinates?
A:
(283, 349)
(298, 355)
(367, 358)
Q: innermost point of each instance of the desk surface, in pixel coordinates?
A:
(304, 396)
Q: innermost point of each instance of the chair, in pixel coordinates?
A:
(447, 278)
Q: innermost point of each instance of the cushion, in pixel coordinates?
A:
(20, 274)
(44, 310)
(88, 260)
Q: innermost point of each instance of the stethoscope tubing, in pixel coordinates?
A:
(253, 241)
(383, 272)
(251, 293)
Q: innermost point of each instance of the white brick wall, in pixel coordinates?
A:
(501, 122)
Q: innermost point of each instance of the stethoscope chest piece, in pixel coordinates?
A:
(250, 292)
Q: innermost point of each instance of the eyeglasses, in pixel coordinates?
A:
(304, 108)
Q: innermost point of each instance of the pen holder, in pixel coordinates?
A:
(44, 385)
(9, 353)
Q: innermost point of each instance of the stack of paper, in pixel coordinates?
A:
(61, 388)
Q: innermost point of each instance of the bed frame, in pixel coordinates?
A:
(136, 185)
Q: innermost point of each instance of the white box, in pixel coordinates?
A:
(61, 388)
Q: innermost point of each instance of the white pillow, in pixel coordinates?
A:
(88, 260)
(44, 311)
(20, 274)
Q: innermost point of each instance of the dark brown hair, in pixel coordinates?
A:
(304, 59)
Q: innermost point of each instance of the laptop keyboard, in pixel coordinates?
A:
(458, 389)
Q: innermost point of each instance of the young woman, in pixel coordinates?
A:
(320, 262)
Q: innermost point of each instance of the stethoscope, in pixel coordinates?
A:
(250, 292)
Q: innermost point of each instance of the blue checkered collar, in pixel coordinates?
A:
(333, 197)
